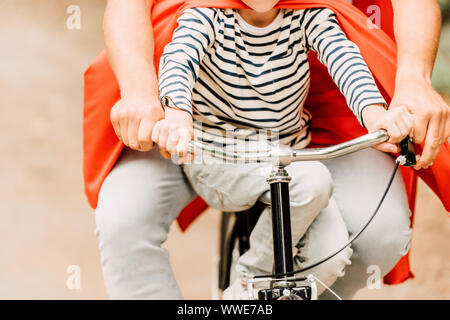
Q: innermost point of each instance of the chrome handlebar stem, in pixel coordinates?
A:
(281, 155)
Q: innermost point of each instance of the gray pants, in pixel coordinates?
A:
(144, 193)
(237, 187)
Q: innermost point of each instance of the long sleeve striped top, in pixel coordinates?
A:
(238, 80)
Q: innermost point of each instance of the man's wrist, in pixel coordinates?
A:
(412, 72)
(151, 102)
(143, 83)
(140, 91)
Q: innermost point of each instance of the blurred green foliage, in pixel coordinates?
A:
(441, 73)
(445, 6)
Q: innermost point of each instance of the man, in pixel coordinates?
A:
(134, 213)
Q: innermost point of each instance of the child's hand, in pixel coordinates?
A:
(174, 132)
(397, 122)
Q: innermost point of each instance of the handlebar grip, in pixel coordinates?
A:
(407, 152)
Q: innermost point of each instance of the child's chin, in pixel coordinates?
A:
(263, 6)
(263, 9)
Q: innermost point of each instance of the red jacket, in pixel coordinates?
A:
(102, 148)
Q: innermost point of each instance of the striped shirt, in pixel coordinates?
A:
(234, 78)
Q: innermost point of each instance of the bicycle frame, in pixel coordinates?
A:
(280, 157)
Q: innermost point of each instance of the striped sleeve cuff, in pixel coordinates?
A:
(167, 102)
(370, 102)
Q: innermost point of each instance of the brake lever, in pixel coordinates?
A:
(407, 157)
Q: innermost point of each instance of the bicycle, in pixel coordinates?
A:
(283, 284)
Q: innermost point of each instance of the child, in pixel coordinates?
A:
(235, 70)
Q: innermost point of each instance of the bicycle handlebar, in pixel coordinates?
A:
(284, 155)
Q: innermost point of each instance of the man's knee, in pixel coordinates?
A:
(393, 244)
(140, 198)
(392, 241)
(125, 214)
(122, 221)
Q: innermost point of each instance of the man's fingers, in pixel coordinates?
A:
(442, 137)
(417, 166)
(432, 144)
(114, 118)
(145, 135)
(407, 122)
(427, 160)
(402, 125)
(124, 131)
(116, 127)
(133, 127)
(420, 129)
(403, 128)
(447, 124)
(394, 133)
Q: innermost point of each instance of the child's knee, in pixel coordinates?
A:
(333, 269)
(311, 184)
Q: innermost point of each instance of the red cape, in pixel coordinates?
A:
(102, 148)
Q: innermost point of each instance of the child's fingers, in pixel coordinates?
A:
(164, 153)
(155, 132)
(186, 159)
(393, 131)
(183, 142)
(172, 141)
(163, 135)
(388, 147)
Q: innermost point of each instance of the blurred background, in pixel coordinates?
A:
(46, 225)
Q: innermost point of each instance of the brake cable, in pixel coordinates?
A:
(407, 158)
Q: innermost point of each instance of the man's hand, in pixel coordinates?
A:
(431, 116)
(129, 44)
(174, 132)
(397, 122)
(133, 120)
(417, 48)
